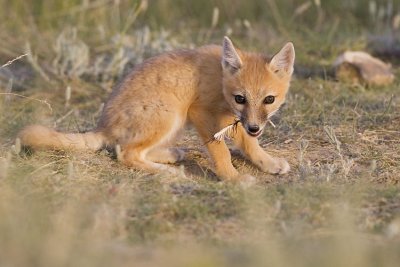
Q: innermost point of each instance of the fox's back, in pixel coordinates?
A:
(179, 72)
(170, 81)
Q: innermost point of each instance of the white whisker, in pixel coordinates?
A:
(272, 113)
(270, 122)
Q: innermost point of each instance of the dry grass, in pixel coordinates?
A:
(339, 205)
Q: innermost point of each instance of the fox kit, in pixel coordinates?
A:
(210, 87)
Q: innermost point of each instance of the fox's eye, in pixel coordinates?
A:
(240, 99)
(269, 99)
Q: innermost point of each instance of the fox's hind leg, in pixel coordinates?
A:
(146, 150)
(134, 156)
(166, 155)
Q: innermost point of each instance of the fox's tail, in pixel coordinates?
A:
(40, 137)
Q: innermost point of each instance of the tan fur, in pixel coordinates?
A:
(147, 111)
(37, 136)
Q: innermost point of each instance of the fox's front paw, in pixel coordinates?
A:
(275, 166)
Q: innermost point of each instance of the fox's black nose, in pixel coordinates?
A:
(253, 128)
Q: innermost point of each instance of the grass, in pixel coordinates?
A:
(339, 205)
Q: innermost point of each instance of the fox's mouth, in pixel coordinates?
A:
(256, 134)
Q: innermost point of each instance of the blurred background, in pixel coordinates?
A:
(329, 25)
(353, 16)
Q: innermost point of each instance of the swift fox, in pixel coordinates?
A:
(210, 87)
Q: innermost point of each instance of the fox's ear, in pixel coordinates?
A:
(282, 63)
(230, 58)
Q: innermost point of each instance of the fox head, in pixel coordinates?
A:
(254, 86)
